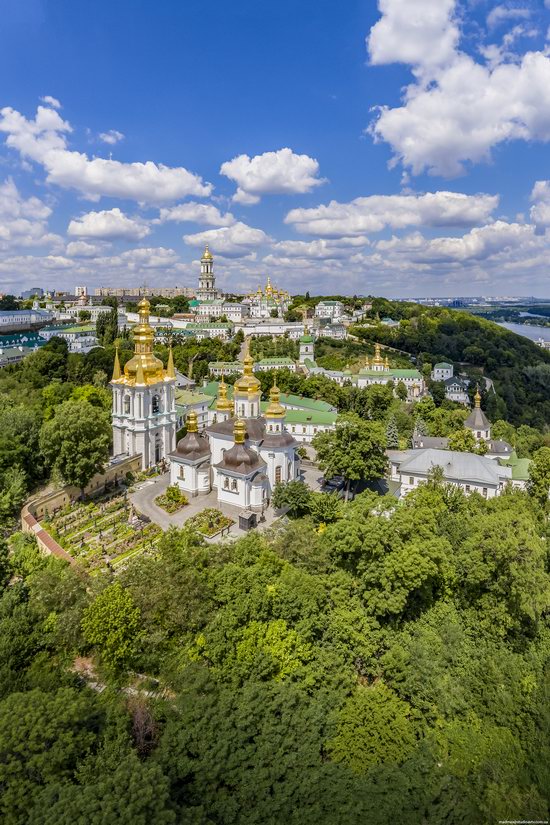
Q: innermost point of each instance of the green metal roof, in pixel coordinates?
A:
(308, 404)
(443, 365)
(520, 466)
(276, 360)
(186, 397)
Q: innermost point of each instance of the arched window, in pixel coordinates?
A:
(182, 472)
(234, 485)
(127, 404)
(155, 405)
(226, 483)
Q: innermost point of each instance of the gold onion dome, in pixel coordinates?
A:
(477, 398)
(247, 383)
(143, 367)
(275, 408)
(207, 254)
(377, 356)
(239, 431)
(192, 422)
(223, 404)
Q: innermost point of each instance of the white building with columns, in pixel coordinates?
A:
(207, 280)
(144, 403)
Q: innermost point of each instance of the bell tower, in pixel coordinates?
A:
(207, 280)
(144, 399)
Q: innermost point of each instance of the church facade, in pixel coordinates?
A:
(242, 455)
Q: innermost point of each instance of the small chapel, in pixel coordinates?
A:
(243, 454)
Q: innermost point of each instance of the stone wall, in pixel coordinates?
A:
(48, 502)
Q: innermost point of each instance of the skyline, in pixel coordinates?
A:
(359, 151)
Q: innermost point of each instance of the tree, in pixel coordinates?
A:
(374, 727)
(76, 441)
(539, 476)
(84, 315)
(462, 441)
(325, 508)
(8, 302)
(42, 738)
(13, 489)
(437, 391)
(355, 449)
(401, 391)
(293, 495)
(392, 434)
(111, 624)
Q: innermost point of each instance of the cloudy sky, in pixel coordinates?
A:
(398, 147)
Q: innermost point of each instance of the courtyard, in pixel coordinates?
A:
(144, 495)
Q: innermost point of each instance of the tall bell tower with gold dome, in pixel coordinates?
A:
(144, 399)
(207, 280)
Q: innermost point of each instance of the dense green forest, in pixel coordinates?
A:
(361, 662)
(391, 666)
(519, 368)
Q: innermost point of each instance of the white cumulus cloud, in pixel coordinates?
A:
(23, 221)
(281, 172)
(193, 212)
(459, 109)
(109, 224)
(374, 213)
(111, 137)
(234, 241)
(51, 101)
(419, 33)
(43, 140)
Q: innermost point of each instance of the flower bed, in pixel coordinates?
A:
(209, 522)
(172, 500)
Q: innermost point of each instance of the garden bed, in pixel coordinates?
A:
(209, 522)
(172, 500)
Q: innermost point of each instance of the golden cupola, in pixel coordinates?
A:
(223, 404)
(248, 383)
(377, 360)
(143, 367)
(275, 409)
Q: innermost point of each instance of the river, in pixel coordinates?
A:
(528, 331)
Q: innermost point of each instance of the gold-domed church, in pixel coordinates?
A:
(144, 402)
(243, 454)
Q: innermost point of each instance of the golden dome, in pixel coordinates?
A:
(143, 367)
(377, 356)
(239, 431)
(223, 404)
(477, 398)
(275, 408)
(207, 255)
(192, 422)
(247, 383)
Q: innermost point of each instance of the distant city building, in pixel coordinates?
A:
(330, 309)
(131, 293)
(80, 338)
(456, 389)
(33, 292)
(12, 320)
(80, 291)
(235, 312)
(442, 371)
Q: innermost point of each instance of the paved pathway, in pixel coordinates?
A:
(144, 499)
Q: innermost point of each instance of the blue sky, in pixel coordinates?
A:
(393, 148)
